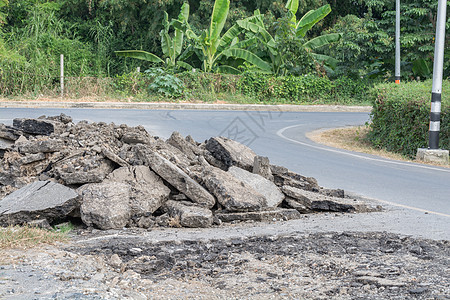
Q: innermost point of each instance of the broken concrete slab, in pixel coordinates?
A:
(261, 166)
(231, 153)
(113, 157)
(232, 193)
(260, 216)
(148, 192)
(81, 169)
(188, 148)
(285, 177)
(38, 126)
(319, 202)
(189, 214)
(177, 178)
(9, 133)
(135, 135)
(297, 205)
(267, 188)
(339, 193)
(38, 200)
(105, 205)
(43, 145)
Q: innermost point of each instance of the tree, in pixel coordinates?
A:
(213, 49)
(273, 44)
(171, 46)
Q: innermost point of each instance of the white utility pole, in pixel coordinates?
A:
(397, 42)
(61, 80)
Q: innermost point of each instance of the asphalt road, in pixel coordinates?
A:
(281, 137)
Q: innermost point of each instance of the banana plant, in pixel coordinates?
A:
(170, 46)
(214, 50)
(255, 25)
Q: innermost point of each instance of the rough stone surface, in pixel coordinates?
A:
(43, 145)
(81, 169)
(188, 148)
(148, 191)
(105, 205)
(10, 133)
(279, 214)
(188, 214)
(231, 153)
(137, 135)
(300, 206)
(283, 176)
(177, 178)
(232, 193)
(339, 193)
(38, 200)
(267, 188)
(319, 202)
(261, 166)
(38, 126)
(437, 156)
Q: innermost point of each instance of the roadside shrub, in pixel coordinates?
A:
(164, 83)
(304, 89)
(401, 115)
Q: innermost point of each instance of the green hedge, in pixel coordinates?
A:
(304, 89)
(401, 115)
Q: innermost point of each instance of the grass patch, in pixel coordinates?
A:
(355, 139)
(27, 237)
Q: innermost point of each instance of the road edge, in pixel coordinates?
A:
(186, 106)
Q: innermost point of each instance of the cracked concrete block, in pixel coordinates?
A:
(38, 200)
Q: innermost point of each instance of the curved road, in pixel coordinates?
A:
(281, 137)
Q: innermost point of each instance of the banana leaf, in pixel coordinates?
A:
(139, 54)
(184, 65)
(166, 44)
(247, 56)
(325, 59)
(322, 40)
(257, 29)
(228, 37)
(184, 13)
(311, 18)
(292, 6)
(218, 18)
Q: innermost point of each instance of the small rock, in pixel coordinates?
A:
(231, 153)
(189, 215)
(232, 193)
(115, 261)
(261, 166)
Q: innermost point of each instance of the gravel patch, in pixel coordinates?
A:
(326, 265)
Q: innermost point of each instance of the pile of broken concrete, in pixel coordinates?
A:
(113, 176)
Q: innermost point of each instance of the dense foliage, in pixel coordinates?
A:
(400, 117)
(318, 38)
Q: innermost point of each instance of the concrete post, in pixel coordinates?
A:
(397, 42)
(435, 115)
(433, 153)
(61, 80)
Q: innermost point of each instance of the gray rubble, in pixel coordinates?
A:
(267, 188)
(38, 200)
(123, 176)
(232, 193)
(105, 205)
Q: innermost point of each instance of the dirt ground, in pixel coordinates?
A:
(326, 265)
